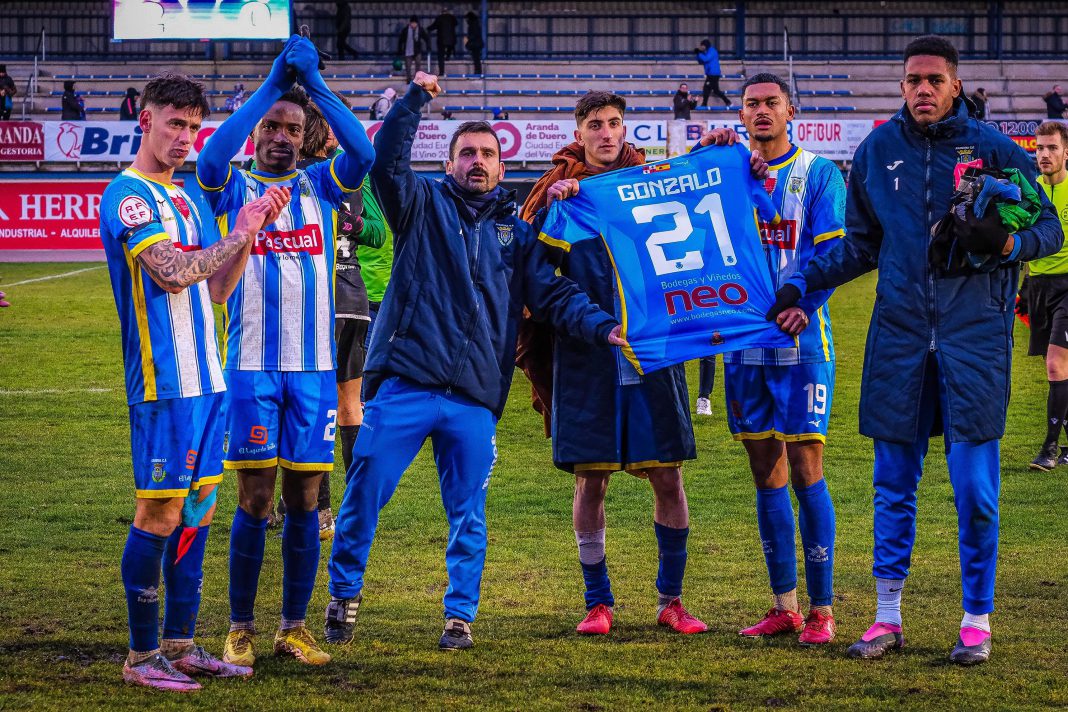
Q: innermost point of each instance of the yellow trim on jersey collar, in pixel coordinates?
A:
(270, 178)
(785, 159)
(150, 180)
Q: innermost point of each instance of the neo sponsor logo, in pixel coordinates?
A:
(306, 239)
(705, 296)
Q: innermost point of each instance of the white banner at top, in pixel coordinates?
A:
(533, 141)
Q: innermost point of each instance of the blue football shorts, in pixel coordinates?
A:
(177, 445)
(789, 403)
(286, 418)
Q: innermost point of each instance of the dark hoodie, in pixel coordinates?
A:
(128, 109)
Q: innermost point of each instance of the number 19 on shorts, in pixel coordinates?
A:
(817, 398)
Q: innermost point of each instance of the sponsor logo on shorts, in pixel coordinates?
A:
(736, 409)
(191, 459)
(258, 435)
(226, 441)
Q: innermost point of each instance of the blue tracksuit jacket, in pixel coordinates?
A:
(450, 315)
(899, 187)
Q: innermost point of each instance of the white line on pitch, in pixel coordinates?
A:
(52, 276)
(55, 391)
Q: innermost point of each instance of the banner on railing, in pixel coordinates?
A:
(50, 214)
(21, 141)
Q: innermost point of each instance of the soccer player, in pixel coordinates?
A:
(604, 417)
(442, 355)
(1047, 294)
(939, 350)
(280, 361)
(779, 400)
(164, 279)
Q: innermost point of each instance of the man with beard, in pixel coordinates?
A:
(441, 357)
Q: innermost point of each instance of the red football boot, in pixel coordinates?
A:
(775, 622)
(677, 618)
(598, 621)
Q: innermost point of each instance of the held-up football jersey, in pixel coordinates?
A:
(281, 315)
(809, 194)
(682, 236)
(169, 346)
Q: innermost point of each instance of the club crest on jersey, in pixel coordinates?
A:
(158, 472)
(181, 205)
(305, 187)
(796, 184)
(134, 211)
(505, 234)
(965, 154)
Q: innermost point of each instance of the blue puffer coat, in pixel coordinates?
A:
(899, 187)
(450, 315)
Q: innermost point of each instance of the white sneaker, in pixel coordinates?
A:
(704, 406)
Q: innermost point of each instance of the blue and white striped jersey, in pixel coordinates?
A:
(169, 345)
(809, 194)
(281, 315)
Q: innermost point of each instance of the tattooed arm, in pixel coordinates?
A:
(174, 270)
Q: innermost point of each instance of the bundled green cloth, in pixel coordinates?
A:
(1016, 216)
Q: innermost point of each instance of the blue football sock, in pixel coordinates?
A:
(140, 577)
(672, 545)
(300, 562)
(775, 521)
(182, 580)
(815, 515)
(598, 587)
(247, 539)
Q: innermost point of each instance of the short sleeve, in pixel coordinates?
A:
(132, 216)
(229, 196)
(827, 212)
(569, 221)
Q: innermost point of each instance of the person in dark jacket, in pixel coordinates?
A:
(938, 356)
(442, 354)
(682, 102)
(412, 44)
(444, 27)
(980, 99)
(128, 110)
(1055, 106)
(474, 41)
(708, 57)
(73, 106)
(8, 90)
(343, 28)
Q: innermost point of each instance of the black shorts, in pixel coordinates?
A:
(351, 352)
(1047, 305)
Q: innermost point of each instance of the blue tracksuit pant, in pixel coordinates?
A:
(396, 423)
(974, 472)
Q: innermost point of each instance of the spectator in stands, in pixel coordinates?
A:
(73, 105)
(979, 98)
(1055, 106)
(444, 29)
(682, 102)
(383, 104)
(500, 114)
(8, 90)
(235, 100)
(709, 58)
(474, 42)
(128, 108)
(412, 43)
(343, 24)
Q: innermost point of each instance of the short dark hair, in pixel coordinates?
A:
(595, 100)
(471, 127)
(177, 90)
(296, 95)
(767, 78)
(1049, 128)
(316, 132)
(933, 46)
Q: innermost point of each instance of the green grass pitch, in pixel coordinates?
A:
(66, 499)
